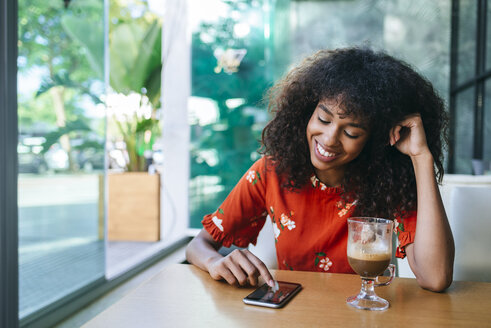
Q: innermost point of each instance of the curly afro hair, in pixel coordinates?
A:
(374, 87)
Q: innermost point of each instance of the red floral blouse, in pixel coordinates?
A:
(310, 224)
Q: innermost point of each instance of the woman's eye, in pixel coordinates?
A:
(350, 135)
(323, 121)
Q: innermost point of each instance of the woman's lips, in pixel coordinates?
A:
(323, 154)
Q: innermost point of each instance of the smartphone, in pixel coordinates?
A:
(266, 296)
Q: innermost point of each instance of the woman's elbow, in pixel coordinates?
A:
(437, 283)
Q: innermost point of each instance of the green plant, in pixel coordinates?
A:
(64, 73)
(135, 68)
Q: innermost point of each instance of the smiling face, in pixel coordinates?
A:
(334, 141)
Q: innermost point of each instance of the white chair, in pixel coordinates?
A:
(265, 248)
(469, 214)
(470, 220)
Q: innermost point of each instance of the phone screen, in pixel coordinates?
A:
(266, 296)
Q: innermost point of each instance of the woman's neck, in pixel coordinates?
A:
(331, 178)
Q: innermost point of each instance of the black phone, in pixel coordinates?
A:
(269, 297)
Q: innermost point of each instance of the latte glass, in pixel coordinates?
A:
(369, 254)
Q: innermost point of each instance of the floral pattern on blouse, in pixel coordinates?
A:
(322, 261)
(288, 266)
(217, 222)
(396, 225)
(253, 177)
(285, 221)
(344, 207)
(276, 230)
(398, 228)
(315, 181)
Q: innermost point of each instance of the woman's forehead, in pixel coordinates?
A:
(337, 106)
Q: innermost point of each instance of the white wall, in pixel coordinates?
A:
(176, 88)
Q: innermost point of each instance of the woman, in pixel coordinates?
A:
(355, 133)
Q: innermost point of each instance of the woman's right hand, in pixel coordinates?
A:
(240, 267)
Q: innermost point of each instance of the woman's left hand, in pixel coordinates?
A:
(409, 137)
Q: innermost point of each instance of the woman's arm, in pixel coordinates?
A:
(431, 256)
(237, 268)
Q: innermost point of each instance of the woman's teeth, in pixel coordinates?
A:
(323, 152)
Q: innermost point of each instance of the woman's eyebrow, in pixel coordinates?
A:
(325, 109)
(353, 124)
(356, 125)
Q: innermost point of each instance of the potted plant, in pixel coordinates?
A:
(132, 103)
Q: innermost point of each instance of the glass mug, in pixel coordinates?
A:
(369, 254)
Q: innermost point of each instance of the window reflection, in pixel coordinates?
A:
(488, 33)
(229, 76)
(466, 66)
(224, 133)
(464, 131)
(60, 149)
(487, 125)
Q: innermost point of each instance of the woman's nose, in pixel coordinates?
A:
(330, 136)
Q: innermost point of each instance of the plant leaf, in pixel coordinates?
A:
(90, 36)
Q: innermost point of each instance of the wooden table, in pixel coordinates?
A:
(184, 296)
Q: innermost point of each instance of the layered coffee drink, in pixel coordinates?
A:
(369, 253)
(369, 265)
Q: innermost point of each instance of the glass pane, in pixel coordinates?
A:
(464, 132)
(230, 72)
(487, 124)
(60, 149)
(134, 143)
(225, 117)
(488, 34)
(415, 31)
(466, 65)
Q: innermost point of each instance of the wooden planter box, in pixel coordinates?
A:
(133, 206)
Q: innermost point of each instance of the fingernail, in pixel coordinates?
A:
(271, 283)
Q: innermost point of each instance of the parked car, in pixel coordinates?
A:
(30, 156)
(31, 160)
(90, 159)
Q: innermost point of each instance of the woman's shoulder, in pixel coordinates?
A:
(265, 170)
(265, 164)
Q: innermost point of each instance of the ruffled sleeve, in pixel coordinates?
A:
(405, 230)
(240, 218)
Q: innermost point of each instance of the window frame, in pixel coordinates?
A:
(9, 291)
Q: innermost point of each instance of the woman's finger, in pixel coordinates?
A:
(263, 270)
(234, 262)
(395, 134)
(250, 269)
(222, 272)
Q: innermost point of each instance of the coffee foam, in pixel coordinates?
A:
(376, 251)
(370, 257)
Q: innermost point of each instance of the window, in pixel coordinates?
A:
(60, 150)
(470, 88)
(230, 71)
(64, 256)
(226, 116)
